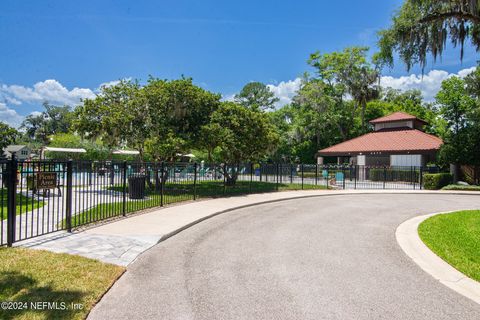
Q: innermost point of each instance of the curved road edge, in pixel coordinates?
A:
(122, 240)
(409, 240)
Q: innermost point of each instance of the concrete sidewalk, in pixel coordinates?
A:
(121, 241)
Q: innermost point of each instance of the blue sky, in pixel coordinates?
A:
(78, 45)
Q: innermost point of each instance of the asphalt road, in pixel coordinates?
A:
(332, 257)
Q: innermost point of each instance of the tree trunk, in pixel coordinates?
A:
(364, 106)
(157, 179)
(147, 176)
(454, 171)
(210, 156)
(476, 178)
(230, 179)
(164, 175)
(342, 132)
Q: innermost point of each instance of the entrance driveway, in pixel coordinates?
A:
(332, 257)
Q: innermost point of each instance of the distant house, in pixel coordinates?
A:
(398, 140)
(21, 152)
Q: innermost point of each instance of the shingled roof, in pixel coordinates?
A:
(14, 148)
(396, 116)
(402, 140)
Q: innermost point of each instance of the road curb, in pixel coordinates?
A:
(410, 242)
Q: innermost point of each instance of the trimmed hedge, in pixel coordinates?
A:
(436, 181)
(394, 175)
(461, 187)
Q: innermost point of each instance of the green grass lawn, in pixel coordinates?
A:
(177, 192)
(460, 187)
(455, 237)
(34, 275)
(24, 204)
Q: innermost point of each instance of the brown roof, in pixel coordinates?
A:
(396, 116)
(388, 141)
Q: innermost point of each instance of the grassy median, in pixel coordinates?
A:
(71, 284)
(455, 237)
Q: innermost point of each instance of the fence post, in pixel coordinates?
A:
(328, 175)
(384, 176)
(281, 173)
(412, 180)
(302, 174)
(90, 170)
(11, 199)
(316, 173)
(251, 176)
(414, 170)
(124, 188)
(162, 183)
(344, 177)
(421, 178)
(355, 173)
(68, 200)
(291, 173)
(195, 181)
(278, 166)
(224, 178)
(112, 174)
(260, 170)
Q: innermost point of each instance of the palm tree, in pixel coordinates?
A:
(364, 88)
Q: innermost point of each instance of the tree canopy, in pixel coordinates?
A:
(9, 136)
(95, 150)
(422, 27)
(461, 111)
(257, 96)
(348, 72)
(242, 135)
(177, 110)
(54, 119)
(163, 117)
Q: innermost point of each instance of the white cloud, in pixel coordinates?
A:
(228, 97)
(11, 100)
(10, 116)
(49, 90)
(110, 84)
(285, 91)
(429, 84)
(465, 72)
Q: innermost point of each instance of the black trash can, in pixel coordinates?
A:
(136, 186)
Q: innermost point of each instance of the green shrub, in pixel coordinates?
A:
(394, 175)
(461, 187)
(436, 181)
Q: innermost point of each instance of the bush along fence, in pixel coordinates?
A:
(40, 197)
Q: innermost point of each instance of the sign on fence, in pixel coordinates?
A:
(46, 180)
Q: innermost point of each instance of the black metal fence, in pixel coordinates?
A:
(40, 197)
